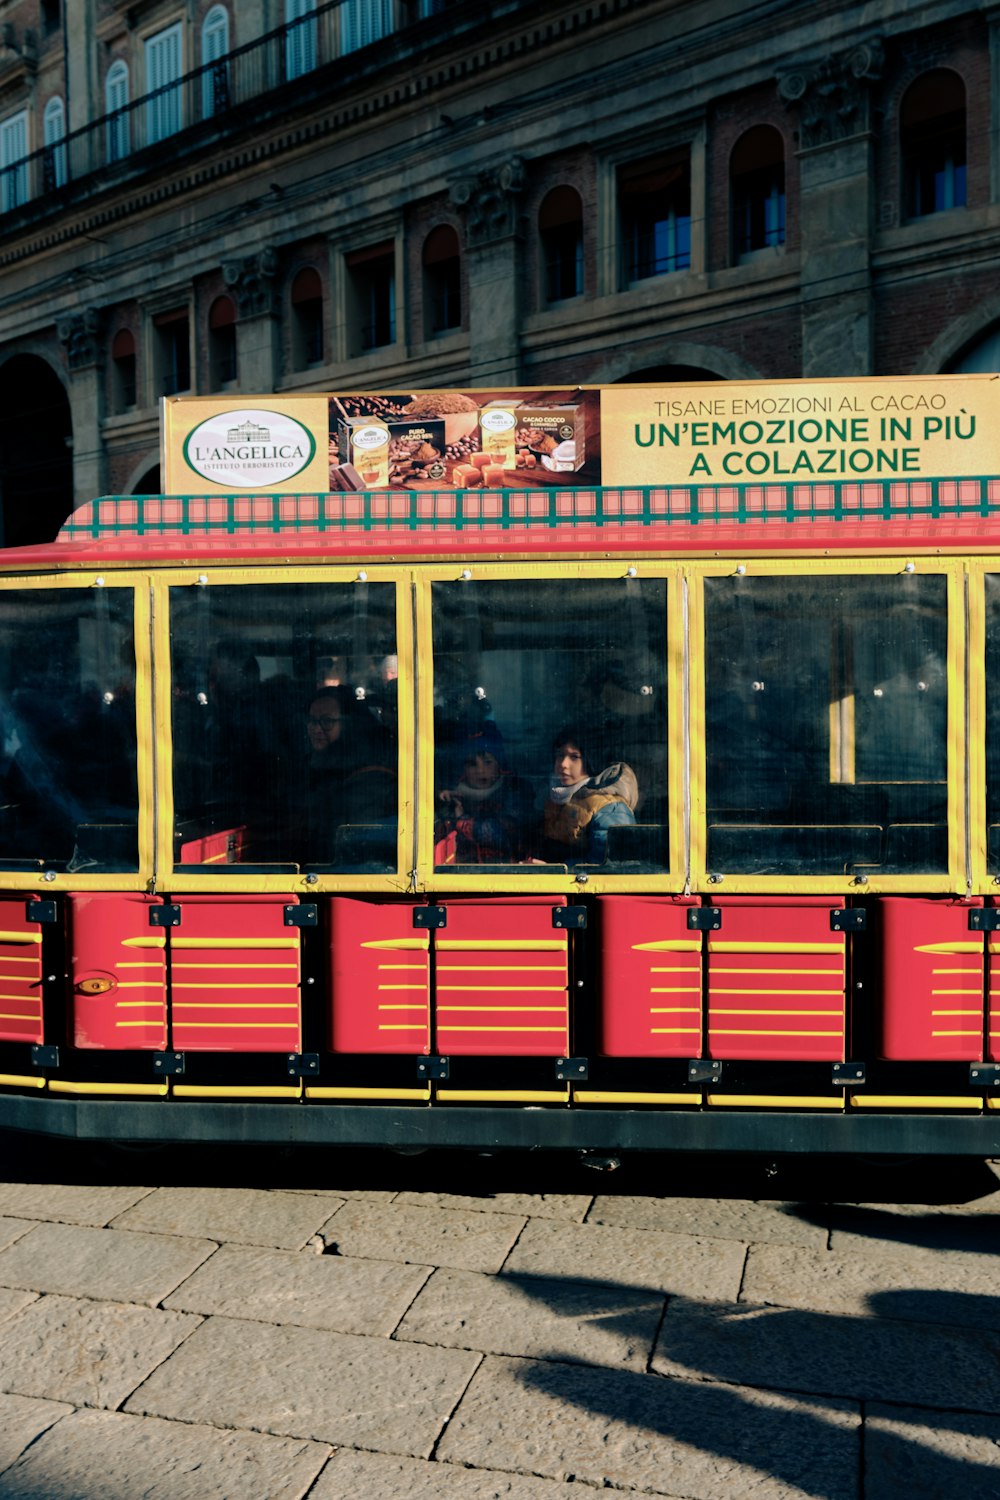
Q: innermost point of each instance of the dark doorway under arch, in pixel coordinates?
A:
(663, 374)
(149, 484)
(36, 456)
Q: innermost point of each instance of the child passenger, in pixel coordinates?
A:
(486, 815)
(584, 802)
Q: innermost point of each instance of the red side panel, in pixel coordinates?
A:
(20, 975)
(776, 982)
(650, 1002)
(235, 976)
(932, 981)
(117, 973)
(501, 980)
(380, 979)
(993, 995)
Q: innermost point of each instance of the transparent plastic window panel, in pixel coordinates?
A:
(284, 728)
(550, 725)
(69, 799)
(826, 725)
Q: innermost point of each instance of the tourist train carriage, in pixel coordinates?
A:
(791, 947)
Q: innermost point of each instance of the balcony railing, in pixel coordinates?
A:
(333, 30)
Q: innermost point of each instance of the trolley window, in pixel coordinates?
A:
(284, 727)
(992, 593)
(550, 724)
(69, 799)
(826, 724)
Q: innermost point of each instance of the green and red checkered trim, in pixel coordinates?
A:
(499, 512)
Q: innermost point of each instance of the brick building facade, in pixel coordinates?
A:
(360, 194)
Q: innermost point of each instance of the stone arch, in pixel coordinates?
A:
(943, 355)
(36, 450)
(674, 360)
(145, 479)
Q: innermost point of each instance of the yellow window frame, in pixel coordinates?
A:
(983, 883)
(179, 877)
(138, 584)
(729, 882)
(542, 881)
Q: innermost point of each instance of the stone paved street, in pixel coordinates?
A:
(272, 1325)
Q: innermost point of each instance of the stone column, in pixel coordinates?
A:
(80, 335)
(252, 283)
(489, 201)
(835, 209)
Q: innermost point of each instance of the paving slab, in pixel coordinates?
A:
(68, 1204)
(378, 1476)
(665, 1437)
(298, 1382)
(88, 1353)
(716, 1218)
(930, 1456)
(427, 1236)
(250, 1216)
(830, 1354)
(366, 1195)
(962, 1227)
(572, 1206)
(310, 1291)
(21, 1421)
(108, 1454)
(109, 1264)
(11, 1230)
(646, 1258)
(11, 1302)
(539, 1318)
(928, 1286)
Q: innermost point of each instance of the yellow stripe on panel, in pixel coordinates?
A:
(21, 937)
(720, 945)
(177, 941)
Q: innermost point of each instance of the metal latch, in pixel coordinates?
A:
(167, 915)
(704, 918)
(984, 919)
(572, 1069)
(430, 917)
(849, 919)
(304, 914)
(703, 1070)
(168, 1062)
(432, 1068)
(569, 918)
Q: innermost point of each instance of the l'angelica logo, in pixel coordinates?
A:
(249, 449)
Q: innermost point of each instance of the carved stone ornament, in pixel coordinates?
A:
(79, 333)
(251, 282)
(833, 96)
(489, 200)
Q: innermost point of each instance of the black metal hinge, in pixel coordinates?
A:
(847, 1074)
(849, 919)
(430, 918)
(569, 918)
(303, 1064)
(40, 911)
(168, 1063)
(984, 1075)
(44, 1057)
(984, 919)
(572, 1069)
(704, 918)
(167, 915)
(304, 914)
(703, 1070)
(429, 1068)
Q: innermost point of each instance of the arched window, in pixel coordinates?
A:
(214, 46)
(932, 144)
(300, 37)
(560, 227)
(654, 209)
(222, 343)
(123, 382)
(116, 106)
(54, 141)
(757, 188)
(442, 263)
(307, 319)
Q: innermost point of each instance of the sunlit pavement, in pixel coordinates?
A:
(258, 1324)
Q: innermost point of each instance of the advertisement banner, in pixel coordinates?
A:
(714, 433)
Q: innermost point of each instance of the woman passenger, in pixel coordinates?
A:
(584, 802)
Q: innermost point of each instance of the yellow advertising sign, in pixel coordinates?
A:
(226, 445)
(725, 432)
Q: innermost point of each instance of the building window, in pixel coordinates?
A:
(116, 109)
(442, 281)
(300, 37)
(307, 319)
(222, 343)
(757, 188)
(54, 139)
(123, 383)
(215, 78)
(163, 70)
(363, 22)
(51, 17)
(13, 167)
(654, 210)
(932, 143)
(172, 352)
(371, 276)
(560, 227)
